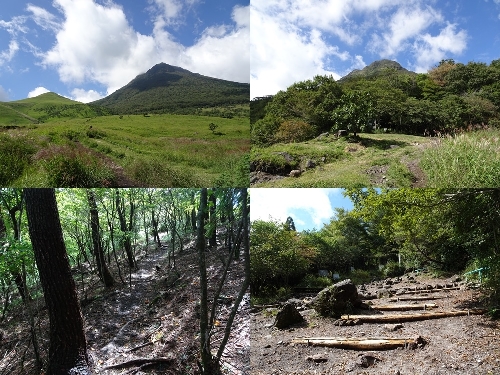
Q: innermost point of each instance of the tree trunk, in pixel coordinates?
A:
(213, 219)
(127, 243)
(207, 364)
(68, 346)
(97, 249)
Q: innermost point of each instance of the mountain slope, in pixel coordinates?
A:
(376, 69)
(46, 107)
(166, 88)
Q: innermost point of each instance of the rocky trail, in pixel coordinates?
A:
(466, 344)
(150, 326)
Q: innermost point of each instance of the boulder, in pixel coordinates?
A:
(336, 299)
(295, 173)
(310, 164)
(342, 133)
(287, 316)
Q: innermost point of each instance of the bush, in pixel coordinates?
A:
(294, 131)
(393, 269)
(157, 174)
(359, 277)
(15, 156)
(78, 171)
(314, 281)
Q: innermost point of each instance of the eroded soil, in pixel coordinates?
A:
(455, 345)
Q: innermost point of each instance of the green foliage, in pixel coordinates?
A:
(73, 169)
(278, 256)
(15, 155)
(257, 108)
(393, 269)
(354, 112)
(359, 276)
(292, 131)
(212, 127)
(314, 281)
(156, 173)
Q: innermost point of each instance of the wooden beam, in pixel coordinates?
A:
(360, 344)
(420, 298)
(431, 290)
(406, 307)
(397, 318)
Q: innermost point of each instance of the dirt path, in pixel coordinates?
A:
(456, 345)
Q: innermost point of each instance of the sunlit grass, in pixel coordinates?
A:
(468, 160)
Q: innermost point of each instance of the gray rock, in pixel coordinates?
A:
(317, 358)
(295, 173)
(287, 316)
(392, 327)
(342, 133)
(336, 299)
(310, 164)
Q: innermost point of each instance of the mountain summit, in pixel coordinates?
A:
(166, 88)
(377, 68)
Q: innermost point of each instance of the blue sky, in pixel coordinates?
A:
(87, 49)
(309, 208)
(294, 40)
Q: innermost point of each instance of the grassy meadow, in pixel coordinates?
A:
(383, 160)
(129, 150)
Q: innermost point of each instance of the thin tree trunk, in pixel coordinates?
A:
(98, 251)
(213, 219)
(127, 244)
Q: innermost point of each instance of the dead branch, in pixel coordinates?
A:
(360, 344)
(140, 346)
(397, 318)
(139, 362)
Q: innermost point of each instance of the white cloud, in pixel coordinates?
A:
(280, 203)
(15, 26)
(405, 24)
(37, 91)
(113, 53)
(281, 54)
(85, 96)
(431, 49)
(43, 18)
(4, 95)
(7, 55)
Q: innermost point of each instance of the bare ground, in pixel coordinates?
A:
(156, 317)
(456, 345)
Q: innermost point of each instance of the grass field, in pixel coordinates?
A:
(383, 160)
(155, 150)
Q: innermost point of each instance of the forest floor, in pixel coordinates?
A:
(155, 317)
(454, 345)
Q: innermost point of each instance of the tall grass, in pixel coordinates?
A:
(15, 155)
(468, 160)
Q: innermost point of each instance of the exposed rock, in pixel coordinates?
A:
(392, 327)
(310, 164)
(295, 173)
(383, 293)
(317, 358)
(342, 133)
(336, 299)
(363, 361)
(287, 316)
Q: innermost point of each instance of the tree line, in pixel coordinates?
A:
(446, 231)
(451, 98)
(47, 236)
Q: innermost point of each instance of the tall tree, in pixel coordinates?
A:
(97, 249)
(125, 227)
(68, 346)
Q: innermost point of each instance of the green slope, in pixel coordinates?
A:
(46, 107)
(169, 89)
(376, 69)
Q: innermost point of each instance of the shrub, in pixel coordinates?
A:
(359, 277)
(78, 171)
(15, 156)
(96, 134)
(294, 131)
(314, 281)
(393, 269)
(156, 173)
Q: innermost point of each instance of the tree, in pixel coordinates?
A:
(354, 113)
(68, 345)
(98, 251)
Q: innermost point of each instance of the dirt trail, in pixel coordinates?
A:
(455, 345)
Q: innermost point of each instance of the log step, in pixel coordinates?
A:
(397, 318)
(423, 298)
(406, 307)
(360, 344)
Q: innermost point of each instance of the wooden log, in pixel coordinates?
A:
(422, 298)
(360, 344)
(406, 307)
(431, 290)
(397, 318)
